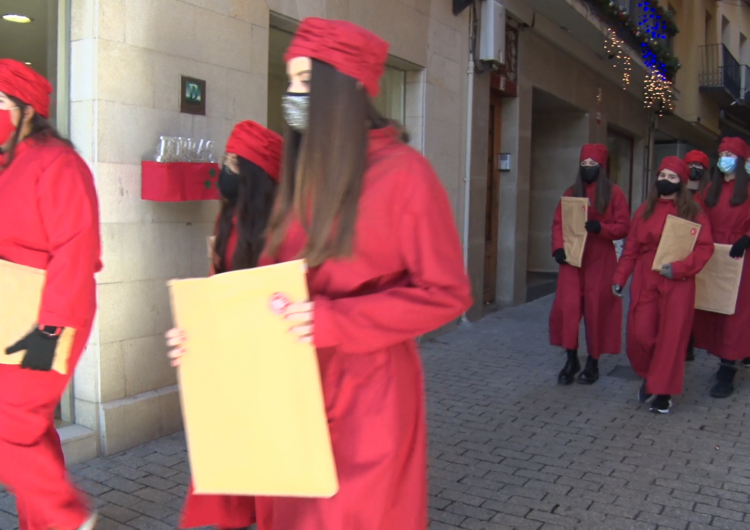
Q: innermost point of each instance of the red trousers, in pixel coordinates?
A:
(223, 511)
(32, 466)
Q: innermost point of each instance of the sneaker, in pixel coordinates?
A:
(662, 404)
(746, 362)
(643, 395)
(91, 523)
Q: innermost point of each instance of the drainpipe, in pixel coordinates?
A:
(467, 168)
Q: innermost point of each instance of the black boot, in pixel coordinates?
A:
(724, 386)
(572, 367)
(690, 354)
(591, 373)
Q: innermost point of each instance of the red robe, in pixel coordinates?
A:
(405, 278)
(656, 346)
(728, 336)
(49, 219)
(586, 292)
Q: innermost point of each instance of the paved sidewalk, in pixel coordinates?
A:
(511, 449)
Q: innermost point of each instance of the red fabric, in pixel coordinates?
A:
(350, 49)
(674, 163)
(728, 336)
(49, 220)
(179, 181)
(257, 144)
(405, 278)
(24, 83)
(586, 292)
(661, 310)
(596, 152)
(734, 145)
(697, 157)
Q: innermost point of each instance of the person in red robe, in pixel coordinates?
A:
(661, 302)
(586, 292)
(374, 223)
(49, 220)
(725, 202)
(248, 183)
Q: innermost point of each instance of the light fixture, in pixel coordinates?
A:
(15, 17)
(27, 63)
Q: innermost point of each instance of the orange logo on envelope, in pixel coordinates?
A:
(279, 302)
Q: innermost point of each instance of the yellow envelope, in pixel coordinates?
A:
(23, 286)
(718, 284)
(251, 393)
(677, 241)
(575, 213)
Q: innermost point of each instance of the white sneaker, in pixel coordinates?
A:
(91, 523)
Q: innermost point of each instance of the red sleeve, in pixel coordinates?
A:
(618, 224)
(704, 249)
(557, 234)
(626, 265)
(438, 291)
(70, 215)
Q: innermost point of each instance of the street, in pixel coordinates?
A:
(511, 449)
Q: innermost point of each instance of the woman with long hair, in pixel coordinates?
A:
(661, 302)
(375, 226)
(586, 292)
(49, 220)
(725, 202)
(247, 182)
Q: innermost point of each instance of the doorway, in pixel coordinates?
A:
(492, 212)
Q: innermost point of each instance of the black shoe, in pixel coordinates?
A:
(746, 362)
(690, 354)
(591, 373)
(643, 395)
(724, 386)
(572, 367)
(662, 404)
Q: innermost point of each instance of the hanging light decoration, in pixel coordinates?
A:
(658, 94)
(616, 50)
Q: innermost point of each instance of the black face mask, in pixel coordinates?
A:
(229, 184)
(696, 173)
(664, 187)
(589, 173)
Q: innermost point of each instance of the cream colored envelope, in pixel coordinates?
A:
(575, 213)
(252, 397)
(677, 241)
(718, 284)
(21, 290)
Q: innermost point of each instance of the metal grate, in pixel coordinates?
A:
(719, 69)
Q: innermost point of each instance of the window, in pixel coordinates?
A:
(391, 101)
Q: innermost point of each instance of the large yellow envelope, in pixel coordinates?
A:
(21, 290)
(575, 212)
(718, 284)
(677, 241)
(252, 398)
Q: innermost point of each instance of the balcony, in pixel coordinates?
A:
(720, 75)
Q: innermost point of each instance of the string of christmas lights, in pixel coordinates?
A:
(658, 95)
(617, 52)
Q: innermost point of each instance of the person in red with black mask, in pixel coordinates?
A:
(586, 292)
(248, 183)
(661, 302)
(728, 208)
(373, 222)
(49, 220)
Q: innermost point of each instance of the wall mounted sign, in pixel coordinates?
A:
(193, 96)
(504, 161)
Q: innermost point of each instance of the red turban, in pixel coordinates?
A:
(596, 152)
(734, 145)
(697, 157)
(257, 144)
(21, 82)
(350, 49)
(675, 163)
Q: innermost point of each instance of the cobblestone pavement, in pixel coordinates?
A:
(511, 449)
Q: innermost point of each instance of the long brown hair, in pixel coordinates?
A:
(41, 130)
(603, 190)
(322, 170)
(717, 185)
(687, 208)
(257, 191)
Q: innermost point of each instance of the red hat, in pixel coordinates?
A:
(697, 157)
(675, 163)
(734, 145)
(350, 49)
(257, 144)
(596, 152)
(21, 82)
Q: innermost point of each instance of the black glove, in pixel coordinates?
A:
(617, 290)
(593, 226)
(739, 248)
(40, 349)
(559, 256)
